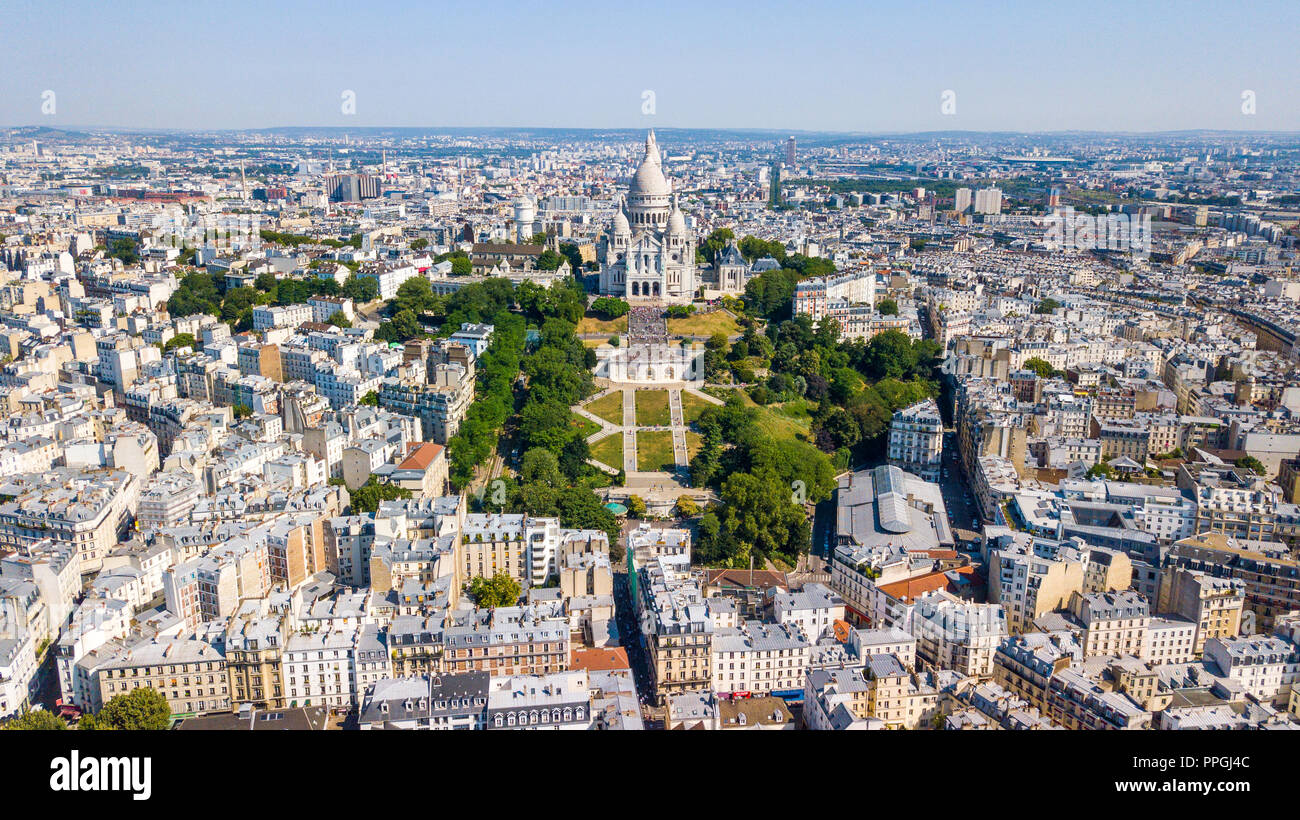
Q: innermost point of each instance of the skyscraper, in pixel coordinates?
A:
(988, 201)
(789, 152)
(961, 201)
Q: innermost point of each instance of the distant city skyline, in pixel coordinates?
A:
(830, 66)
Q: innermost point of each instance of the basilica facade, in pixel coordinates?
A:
(649, 257)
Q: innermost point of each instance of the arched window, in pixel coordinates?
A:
(568, 715)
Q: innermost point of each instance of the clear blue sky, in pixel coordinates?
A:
(853, 66)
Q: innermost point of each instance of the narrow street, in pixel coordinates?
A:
(630, 634)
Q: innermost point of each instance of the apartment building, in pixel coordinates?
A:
(506, 641)
(1265, 666)
(1270, 575)
(427, 702)
(440, 405)
(813, 609)
(1025, 664)
(898, 698)
(916, 440)
(1113, 623)
(559, 700)
(87, 510)
(1214, 605)
(319, 668)
(1029, 584)
(759, 659)
(492, 543)
(254, 651)
(189, 672)
(678, 626)
(954, 634)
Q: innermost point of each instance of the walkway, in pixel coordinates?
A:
(679, 429)
(629, 430)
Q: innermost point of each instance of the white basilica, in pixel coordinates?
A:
(650, 256)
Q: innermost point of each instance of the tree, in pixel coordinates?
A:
(1047, 306)
(415, 295)
(549, 260)
(196, 293)
(715, 242)
(757, 517)
(499, 590)
(361, 289)
(242, 411)
(573, 254)
(608, 307)
(237, 306)
(339, 319)
(404, 325)
(141, 709)
(419, 244)
(541, 466)
(37, 720)
(1101, 470)
(686, 507)
(125, 250)
(887, 307)
(636, 506)
(889, 355)
(1041, 368)
(751, 247)
(366, 498)
(1251, 463)
(180, 340)
(370, 399)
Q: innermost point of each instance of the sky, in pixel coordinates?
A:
(1139, 65)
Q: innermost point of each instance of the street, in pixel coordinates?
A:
(630, 635)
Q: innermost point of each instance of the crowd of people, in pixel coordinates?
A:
(647, 325)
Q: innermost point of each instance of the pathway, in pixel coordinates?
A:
(678, 428)
(629, 430)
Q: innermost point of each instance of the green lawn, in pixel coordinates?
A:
(694, 441)
(654, 451)
(652, 408)
(609, 408)
(609, 450)
(775, 423)
(585, 427)
(591, 323)
(693, 405)
(704, 324)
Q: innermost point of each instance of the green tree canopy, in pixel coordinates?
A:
(366, 498)
(38, 720)
(141, 709)
(498, 591)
